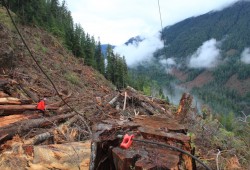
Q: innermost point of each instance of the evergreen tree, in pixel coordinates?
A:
(89, 52)
(99, 58)
(109, 69)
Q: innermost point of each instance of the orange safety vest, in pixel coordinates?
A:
(41, 105)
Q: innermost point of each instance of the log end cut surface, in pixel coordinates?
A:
(141, 155)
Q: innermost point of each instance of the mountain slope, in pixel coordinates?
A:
(211, 43)
(67, 72)
(230, 25)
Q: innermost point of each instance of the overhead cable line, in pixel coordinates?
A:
(46, 75)
(159, 6)
(164, 42)
(165, 145)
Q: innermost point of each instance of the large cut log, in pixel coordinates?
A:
(32, 95)
(10, 100)
(38, 138)
(6, 120)
(25, 107)
(23, 126)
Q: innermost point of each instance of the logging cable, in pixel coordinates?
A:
(166, 145)
(54, 86)
(172, 147)
(160, 15)
(164, 42)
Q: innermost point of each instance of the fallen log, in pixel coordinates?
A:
(32, 95)
(150, 109)
(23, 126)
(6, 120)
(38, 138)
(114, 99)
(44, 136)
(25, 107)
(10, 100)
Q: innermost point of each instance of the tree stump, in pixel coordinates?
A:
(141, 155)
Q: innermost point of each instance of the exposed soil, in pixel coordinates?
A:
(68, 73)
(202, 79)
(241, 86)
(179, 74)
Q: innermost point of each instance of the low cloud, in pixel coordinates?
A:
(141, 52)
(245, 56)
(168, 62)
(206, 56)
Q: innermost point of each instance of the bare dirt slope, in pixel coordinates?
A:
(202, 79)
(68, 73)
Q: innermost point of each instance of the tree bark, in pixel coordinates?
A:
(25, 107)
(23, 126)
(6, 120)
(9, 100)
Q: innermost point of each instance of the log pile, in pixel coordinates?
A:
(27, 135)
(18, 116)
(40, 140)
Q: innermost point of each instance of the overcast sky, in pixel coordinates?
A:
(115, 21)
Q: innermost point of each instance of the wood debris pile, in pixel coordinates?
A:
(34, 140)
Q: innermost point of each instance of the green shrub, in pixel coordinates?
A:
(72, 78)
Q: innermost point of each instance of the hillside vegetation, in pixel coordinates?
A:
(230, 25)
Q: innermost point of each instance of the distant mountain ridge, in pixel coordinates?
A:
(104, 48)
(134, 40)
(231, 25)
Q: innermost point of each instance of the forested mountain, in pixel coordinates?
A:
(230, 25)
(209, 55)
(134, 40)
